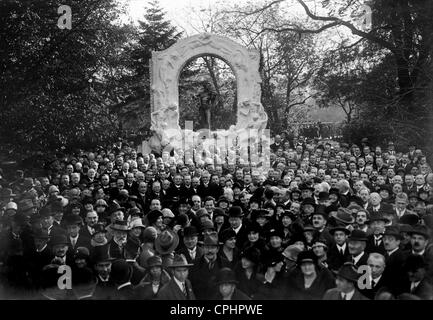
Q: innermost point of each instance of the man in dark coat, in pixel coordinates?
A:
(394, 259)
(346, 289)
(415, 267)
(205, 270)
(121, 273)
(237, 224)
(179, 287)
(102, 265)
(117, 244)
(73, 225)
(338, 252)
(374, 241)
(190, 249)
(357, 244)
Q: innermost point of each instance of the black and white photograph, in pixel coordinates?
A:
(228, 153)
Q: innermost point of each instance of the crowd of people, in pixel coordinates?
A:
(328, 221)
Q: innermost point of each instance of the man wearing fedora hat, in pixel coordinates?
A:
(346, 281)
(357, 244)
(120, 234)
(39, 257)
(205, 270)
(420, 241)
(59, 246)
(338, 252)
(227, 286)
(165, 245)
(394, 259)
(179, 287)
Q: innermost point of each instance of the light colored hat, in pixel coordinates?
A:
(136, 223)
(11, 206)
(167, 213)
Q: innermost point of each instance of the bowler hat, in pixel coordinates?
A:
(101, 254)
(358, 235)
(309, 201)
(226, 275)
(120, 225)
(82, 253)
(154, 261)
(180, 261)
(190, 231)
(420, 230)
(409, 218)
(306, 256)
(393, 231)
(166, 242)
(73, 220)
(345, 230)
(236, 212)
(378, 217)
(211, 240)
(121, 271)
(347, 271)
(59, 239)
(405, 228)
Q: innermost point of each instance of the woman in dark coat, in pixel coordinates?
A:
(309, 281)
(228, 253)
(273, 287)
(246, 270)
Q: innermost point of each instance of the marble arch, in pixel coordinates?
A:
(165, 71)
